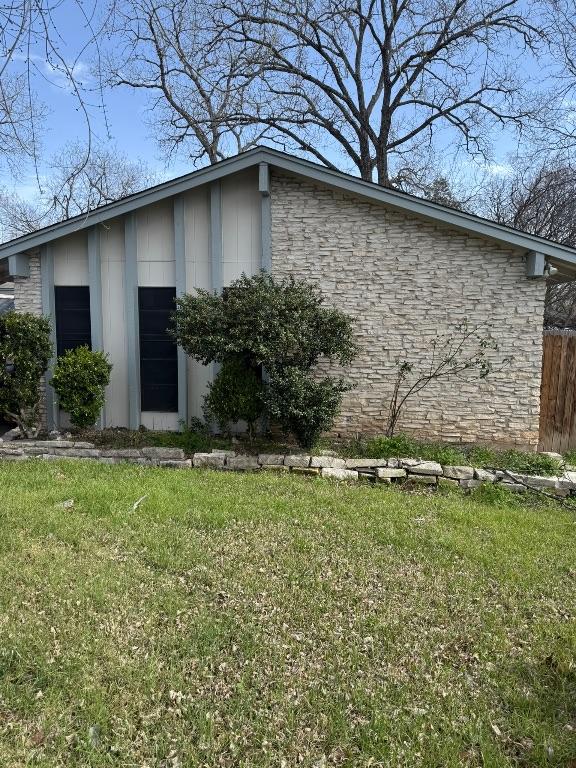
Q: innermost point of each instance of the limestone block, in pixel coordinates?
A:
(208, 460)
(458, 472)
(163, 453)
(327, 461)
(242, 462)
(270, 459)
(338, 473)
(484, 475)
(420, 467)
(297, 460)
(366, 463)
(389, 473)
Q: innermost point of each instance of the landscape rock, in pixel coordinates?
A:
(305, 470)
(535, 481)
(484, 475)
(389, 473)
(76, 453)
(164, 453)
(269, 459)
(211, 460)
(458, 472)
(226, 454)
(327, 461)
(55, 457)
(420, 467)
(338, 473)
(365, 463)
(121, 453)
(242, 462)
(47, 444)
(10, 435)
(297, 460)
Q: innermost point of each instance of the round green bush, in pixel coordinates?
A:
(25, 350)
(80, 377)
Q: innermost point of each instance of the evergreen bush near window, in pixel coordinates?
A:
(80, 377)
(236, 394)
(282, 327)
(25, 350)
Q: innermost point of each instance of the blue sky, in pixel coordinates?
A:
(124, 124)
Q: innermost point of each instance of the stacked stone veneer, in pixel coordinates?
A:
(28, 290)
(405, 280)
(408, 472)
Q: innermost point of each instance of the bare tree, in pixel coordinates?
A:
(204, 86)
(75, 186)
(455, 355)
(375, 80)
(541, 201)
(371, 80)
(33, 47)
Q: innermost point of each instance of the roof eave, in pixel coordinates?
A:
(561, 256)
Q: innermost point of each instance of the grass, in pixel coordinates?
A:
(196, 618)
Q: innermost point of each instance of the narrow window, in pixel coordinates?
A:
(72, 309)
(158, 358)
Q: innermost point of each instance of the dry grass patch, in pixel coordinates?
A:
(256, 620)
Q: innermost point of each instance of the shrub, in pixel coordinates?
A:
(80, 377)
(264, 321)
(25, 350)
(235, 395)
(304, 406)
(281, 326)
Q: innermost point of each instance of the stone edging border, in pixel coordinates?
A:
(408, 472)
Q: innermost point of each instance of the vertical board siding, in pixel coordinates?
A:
(198, 275)
(71, 260)
(558, 395)
(180, 266)
(132, 320)
(114, 334)
(48, 309)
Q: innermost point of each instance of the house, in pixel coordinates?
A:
(406, 269)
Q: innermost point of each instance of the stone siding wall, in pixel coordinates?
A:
(405, 280)
(28, 290)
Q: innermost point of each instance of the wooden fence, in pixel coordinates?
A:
(558, 392)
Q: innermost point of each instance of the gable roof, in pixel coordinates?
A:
(560, 255)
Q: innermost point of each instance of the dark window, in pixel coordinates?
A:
(72, 305)
(158, 361)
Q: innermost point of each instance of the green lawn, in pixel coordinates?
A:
(263, 620)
